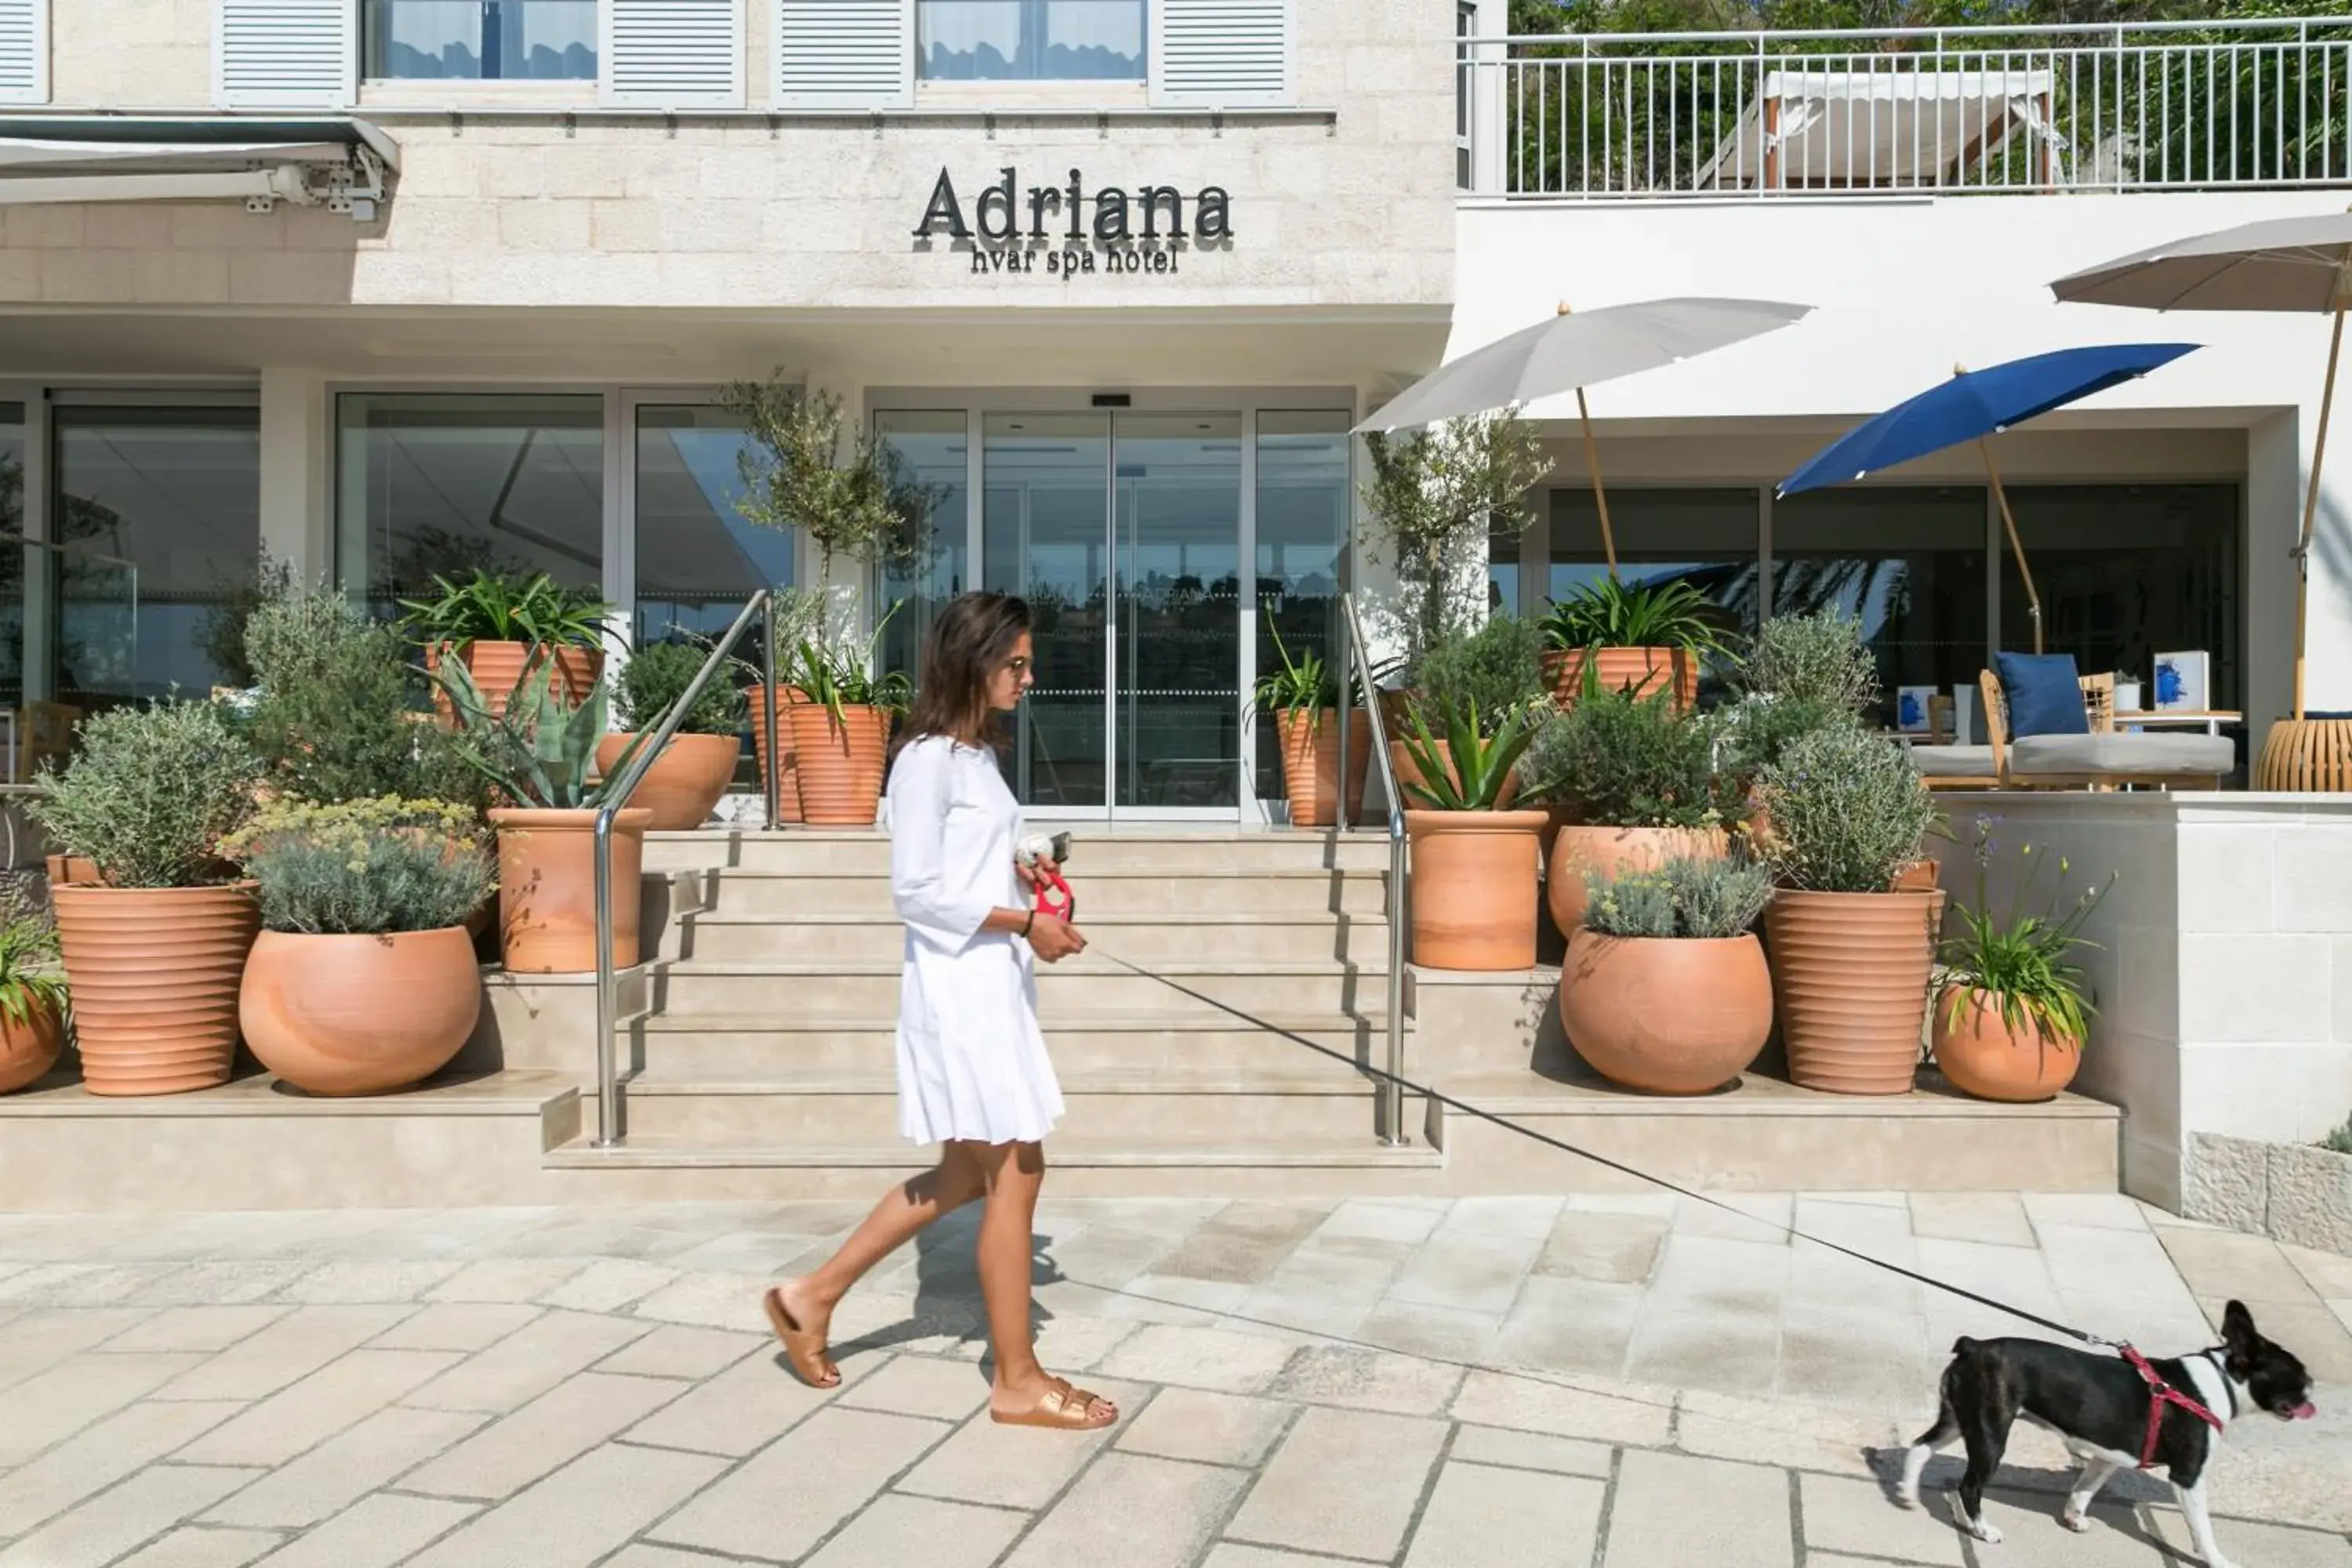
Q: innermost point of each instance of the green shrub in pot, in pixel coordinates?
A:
(684, 784)
(35, 1002)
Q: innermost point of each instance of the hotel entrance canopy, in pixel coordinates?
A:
(339, 163)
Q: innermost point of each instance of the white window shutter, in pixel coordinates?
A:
(285, 53)
(1221, 54)
(845, 53)
(24, 51)
(672, 54)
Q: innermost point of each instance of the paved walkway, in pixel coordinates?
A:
(1602, 1383)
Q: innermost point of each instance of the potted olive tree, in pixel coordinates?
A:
(1634, 780)
(1665, 988)
(1474, 863)
(34, 1001)
(1303, 696)
(1850, 958)
(363, 978)
(2013, 1009)
(155, 945)
(504, 630)
(1638, 638)
(1435, 499)
(684, 783)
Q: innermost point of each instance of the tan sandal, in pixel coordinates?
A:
(1063, 1408)
(803, 1349)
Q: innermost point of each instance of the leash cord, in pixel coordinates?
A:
(1480, 1113)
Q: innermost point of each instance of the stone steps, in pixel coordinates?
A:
(1088, 983)
(752, 1045)
(1096, 851)
(1211, 889)
(1191, 937)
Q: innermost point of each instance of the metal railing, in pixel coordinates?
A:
(1356, 673)
(2143, 107)
(608, 1077)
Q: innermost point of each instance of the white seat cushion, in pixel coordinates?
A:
(1953, 761)
(2148, 751)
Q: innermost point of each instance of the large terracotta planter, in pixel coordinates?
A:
(1310, 763)
(1640, 670)
(1473, 887)
(498, 668)
(359, 1014)
(786, 765)
(1850, 980)
(154, 973)
(547, 888)
(840, 763)
(1667, 1015)
(685, 781)
(1408, 773)
(30, 1048)
(1579, 848)
(1983, 1056)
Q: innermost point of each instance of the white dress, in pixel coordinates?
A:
(972, 1062)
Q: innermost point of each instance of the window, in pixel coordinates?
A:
(1910, 562)
(697, 558)
(479, 40)
(1030, 40)
(1302, 500)
(443, 484)
(932, 454)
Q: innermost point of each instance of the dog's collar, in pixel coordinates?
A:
(2217, 1356)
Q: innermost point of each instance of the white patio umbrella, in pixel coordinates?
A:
(1571, 353)
(2296, 264)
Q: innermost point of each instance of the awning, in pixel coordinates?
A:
(340, 164)
(1862, 129)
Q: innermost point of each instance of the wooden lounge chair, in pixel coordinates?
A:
(2107, 758)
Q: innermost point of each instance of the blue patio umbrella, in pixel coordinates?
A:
(1975, 405)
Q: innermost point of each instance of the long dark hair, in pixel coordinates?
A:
(972, 636)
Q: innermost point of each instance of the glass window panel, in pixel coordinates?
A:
(479, 40)
(932, 453)
(1706, 538)
(1909, 562)
(697, 558)
(1030, 40)
(1045, 535)
(1303, 508)
(2128, 572)
(443, 484)
(1180, 516)
(13, 560)
(176, 493)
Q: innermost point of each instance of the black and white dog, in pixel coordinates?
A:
(2099, 1406)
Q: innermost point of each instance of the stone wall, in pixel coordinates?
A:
(2296, 1192)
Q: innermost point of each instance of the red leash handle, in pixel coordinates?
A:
(1047, 884)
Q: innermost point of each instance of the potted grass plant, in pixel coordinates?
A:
(1474, 863)
(794, 615)
(1633, 779)
(841, 735)
(503, 628)
(1851, 958)
(34, 1000)
(1665, 988)
(2013, 1009)
(540, 751)
(364, 979)
(684, 784)
(1638, 637)
(1303, 696)
(156, 942)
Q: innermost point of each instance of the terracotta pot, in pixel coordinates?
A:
(547, 888)
(788, 785)
(154, 973)
(1918, 877)
(841, 763)
(1473, 887)
(30, 1048)
(1310, 764)
(498, 668)
(1983, 1056)
(1579, 848)
(1408, 773)
(1850, 980)
(359, 1014)
(1667, 1016)
(1640, 670)
(685, 781)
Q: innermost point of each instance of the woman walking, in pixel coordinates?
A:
(973, 1076)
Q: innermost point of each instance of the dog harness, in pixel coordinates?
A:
(2161, 1394)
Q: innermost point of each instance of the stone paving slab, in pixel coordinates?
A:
(456, 1389)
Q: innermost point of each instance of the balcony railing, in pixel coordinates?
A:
(2151, 107)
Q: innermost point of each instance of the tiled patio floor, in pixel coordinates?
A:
(1611, 1383)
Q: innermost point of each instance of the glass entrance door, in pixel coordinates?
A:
(1124, 533)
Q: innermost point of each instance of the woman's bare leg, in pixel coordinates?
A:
(904, 1210)
(1014, 1172)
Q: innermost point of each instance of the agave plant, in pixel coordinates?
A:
(542, 750)
(1610, 614)
(1480, 764)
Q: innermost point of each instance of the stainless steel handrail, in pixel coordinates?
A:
(1357, 661)
(608, 1078)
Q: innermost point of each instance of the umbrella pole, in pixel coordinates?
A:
(2311, 504)
(1599, 491)
(2008, 522)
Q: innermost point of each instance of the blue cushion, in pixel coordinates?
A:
(2045, 693)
